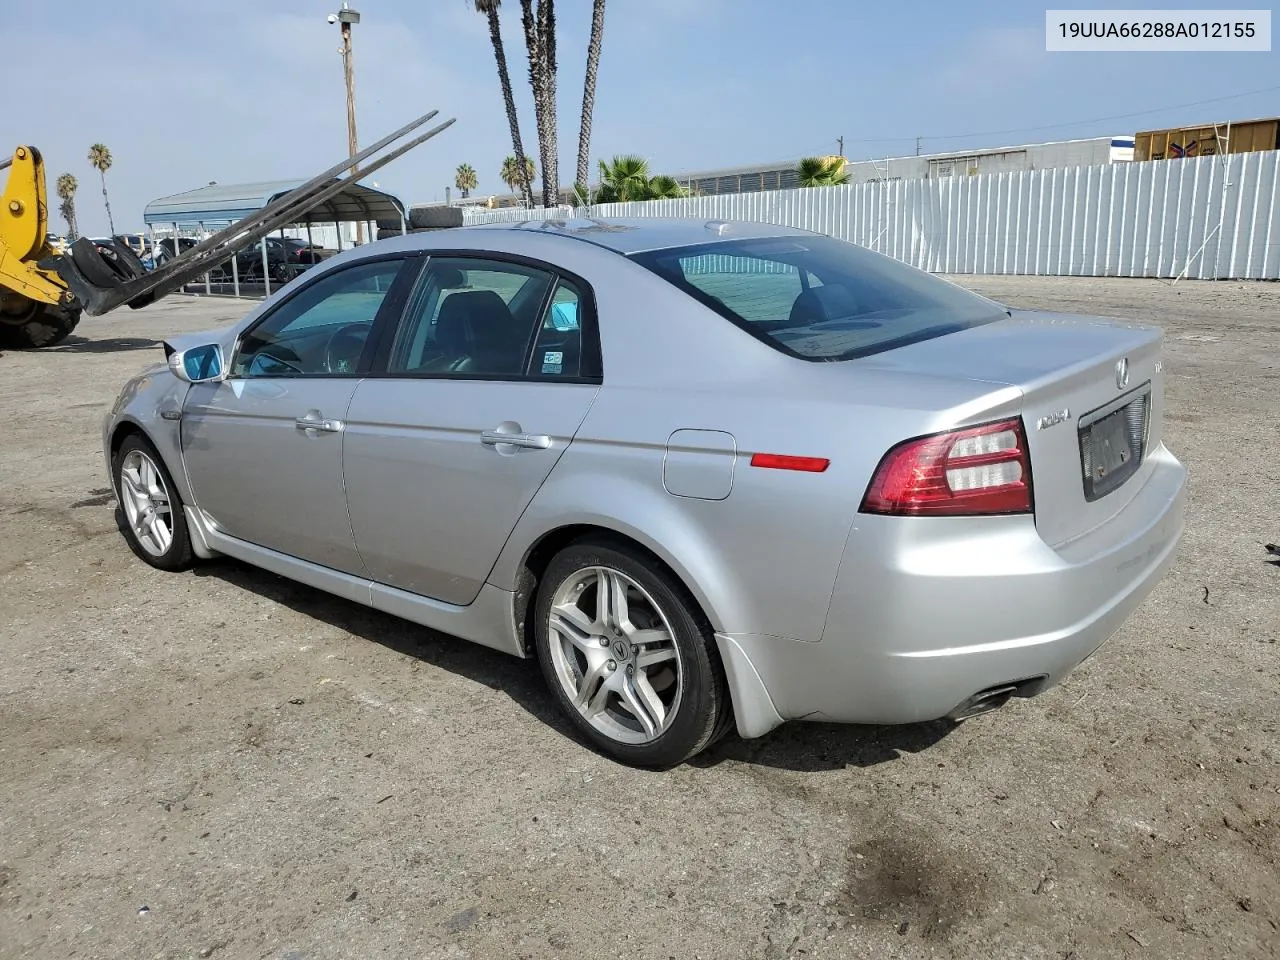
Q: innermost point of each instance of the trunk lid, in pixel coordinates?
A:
(1093, 401)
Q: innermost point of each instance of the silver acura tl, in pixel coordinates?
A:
(709, 474)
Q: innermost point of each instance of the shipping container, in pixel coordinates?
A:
(1239, 136)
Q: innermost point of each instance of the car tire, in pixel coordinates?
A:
(647, 687)
(93, 264)
(149, 509)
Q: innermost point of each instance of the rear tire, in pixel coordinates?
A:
(47, 325)
(149, 507)
(639, 677)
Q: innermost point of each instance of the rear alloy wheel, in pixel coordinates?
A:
(629, 657)
(150, 507)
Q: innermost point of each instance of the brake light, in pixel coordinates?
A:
(780, 461)
(975, 471)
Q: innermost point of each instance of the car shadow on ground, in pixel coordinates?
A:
(802, 747)
(106, 345)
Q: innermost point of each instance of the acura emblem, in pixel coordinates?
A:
(1122, 373)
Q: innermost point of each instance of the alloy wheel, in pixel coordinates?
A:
(146, 503)
(614, 654)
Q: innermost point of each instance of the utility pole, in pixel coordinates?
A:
(840, 140)
(345, 18)
(918, 139)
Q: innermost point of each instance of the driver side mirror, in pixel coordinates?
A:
(198, 364)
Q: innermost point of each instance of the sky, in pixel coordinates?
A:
(189, 91)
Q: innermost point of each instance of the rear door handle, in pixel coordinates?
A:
(310, 422)
(534, 441)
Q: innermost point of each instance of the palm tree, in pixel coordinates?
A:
(822, 172)
(589, 94)
(511, 172)
(100, 158)
(624, 178)
(66, 187)
(663, 187)
(490, 9)
(627, 178)
(540, 39)
(465, 179)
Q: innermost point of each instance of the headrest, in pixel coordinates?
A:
(817, 304)
(471, 317)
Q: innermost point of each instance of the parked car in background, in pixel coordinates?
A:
(163, 249)
(134, 241)
(708, 474)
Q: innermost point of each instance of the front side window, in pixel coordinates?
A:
(322, 330)
(818, 298)
(471, 317)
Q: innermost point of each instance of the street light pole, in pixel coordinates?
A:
(345, 18)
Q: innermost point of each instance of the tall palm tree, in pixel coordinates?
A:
(66, 186)
(465, 179)
(540, 39)
(511, 172)
(100, 159)
(490, 9)
(822, 172)
(589, 93)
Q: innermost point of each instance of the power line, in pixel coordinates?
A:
(1071, 123)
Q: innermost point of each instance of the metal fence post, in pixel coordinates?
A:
(266, 280)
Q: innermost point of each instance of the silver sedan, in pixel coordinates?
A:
(708, 474)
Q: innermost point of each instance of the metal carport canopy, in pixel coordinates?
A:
(228, 203)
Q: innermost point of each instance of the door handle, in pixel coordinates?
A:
(318, 423)
(534, 441)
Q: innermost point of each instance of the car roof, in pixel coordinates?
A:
(635, 235)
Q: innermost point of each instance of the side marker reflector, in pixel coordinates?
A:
(778, 461)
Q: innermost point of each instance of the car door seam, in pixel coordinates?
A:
(342, 473)
(538, 489)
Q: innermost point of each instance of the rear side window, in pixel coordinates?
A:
(818, 298)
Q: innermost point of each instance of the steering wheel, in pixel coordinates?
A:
(342, 352)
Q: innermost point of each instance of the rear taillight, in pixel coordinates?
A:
(975, 471)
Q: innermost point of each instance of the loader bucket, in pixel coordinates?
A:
(101, 285)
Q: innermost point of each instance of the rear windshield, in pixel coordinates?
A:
(818, 298)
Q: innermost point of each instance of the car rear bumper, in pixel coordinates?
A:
(928, 612)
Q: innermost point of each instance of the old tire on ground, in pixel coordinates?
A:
(149, 507)
(628, 655)
(44, 326)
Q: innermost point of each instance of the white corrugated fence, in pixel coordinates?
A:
(1204, 217)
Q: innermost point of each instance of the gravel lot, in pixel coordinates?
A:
(221, 763)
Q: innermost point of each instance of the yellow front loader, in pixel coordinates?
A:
(36, 307)
(43, 292)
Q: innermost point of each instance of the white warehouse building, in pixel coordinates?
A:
(1035, 156)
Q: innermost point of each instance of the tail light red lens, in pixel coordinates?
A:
(971, 472)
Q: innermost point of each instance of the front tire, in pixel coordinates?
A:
(628, 656)
(41, 325)
(150, 508)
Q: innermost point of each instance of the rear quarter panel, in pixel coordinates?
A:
(765, 558)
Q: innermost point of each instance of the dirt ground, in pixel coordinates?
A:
(222, 763)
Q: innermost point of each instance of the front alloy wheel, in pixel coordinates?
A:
(150, 507)
(629, 656)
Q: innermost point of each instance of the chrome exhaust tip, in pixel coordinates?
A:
(993, 698)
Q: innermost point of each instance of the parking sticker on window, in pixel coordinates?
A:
(552, 361)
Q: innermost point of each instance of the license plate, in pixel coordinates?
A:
(1112, 448)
